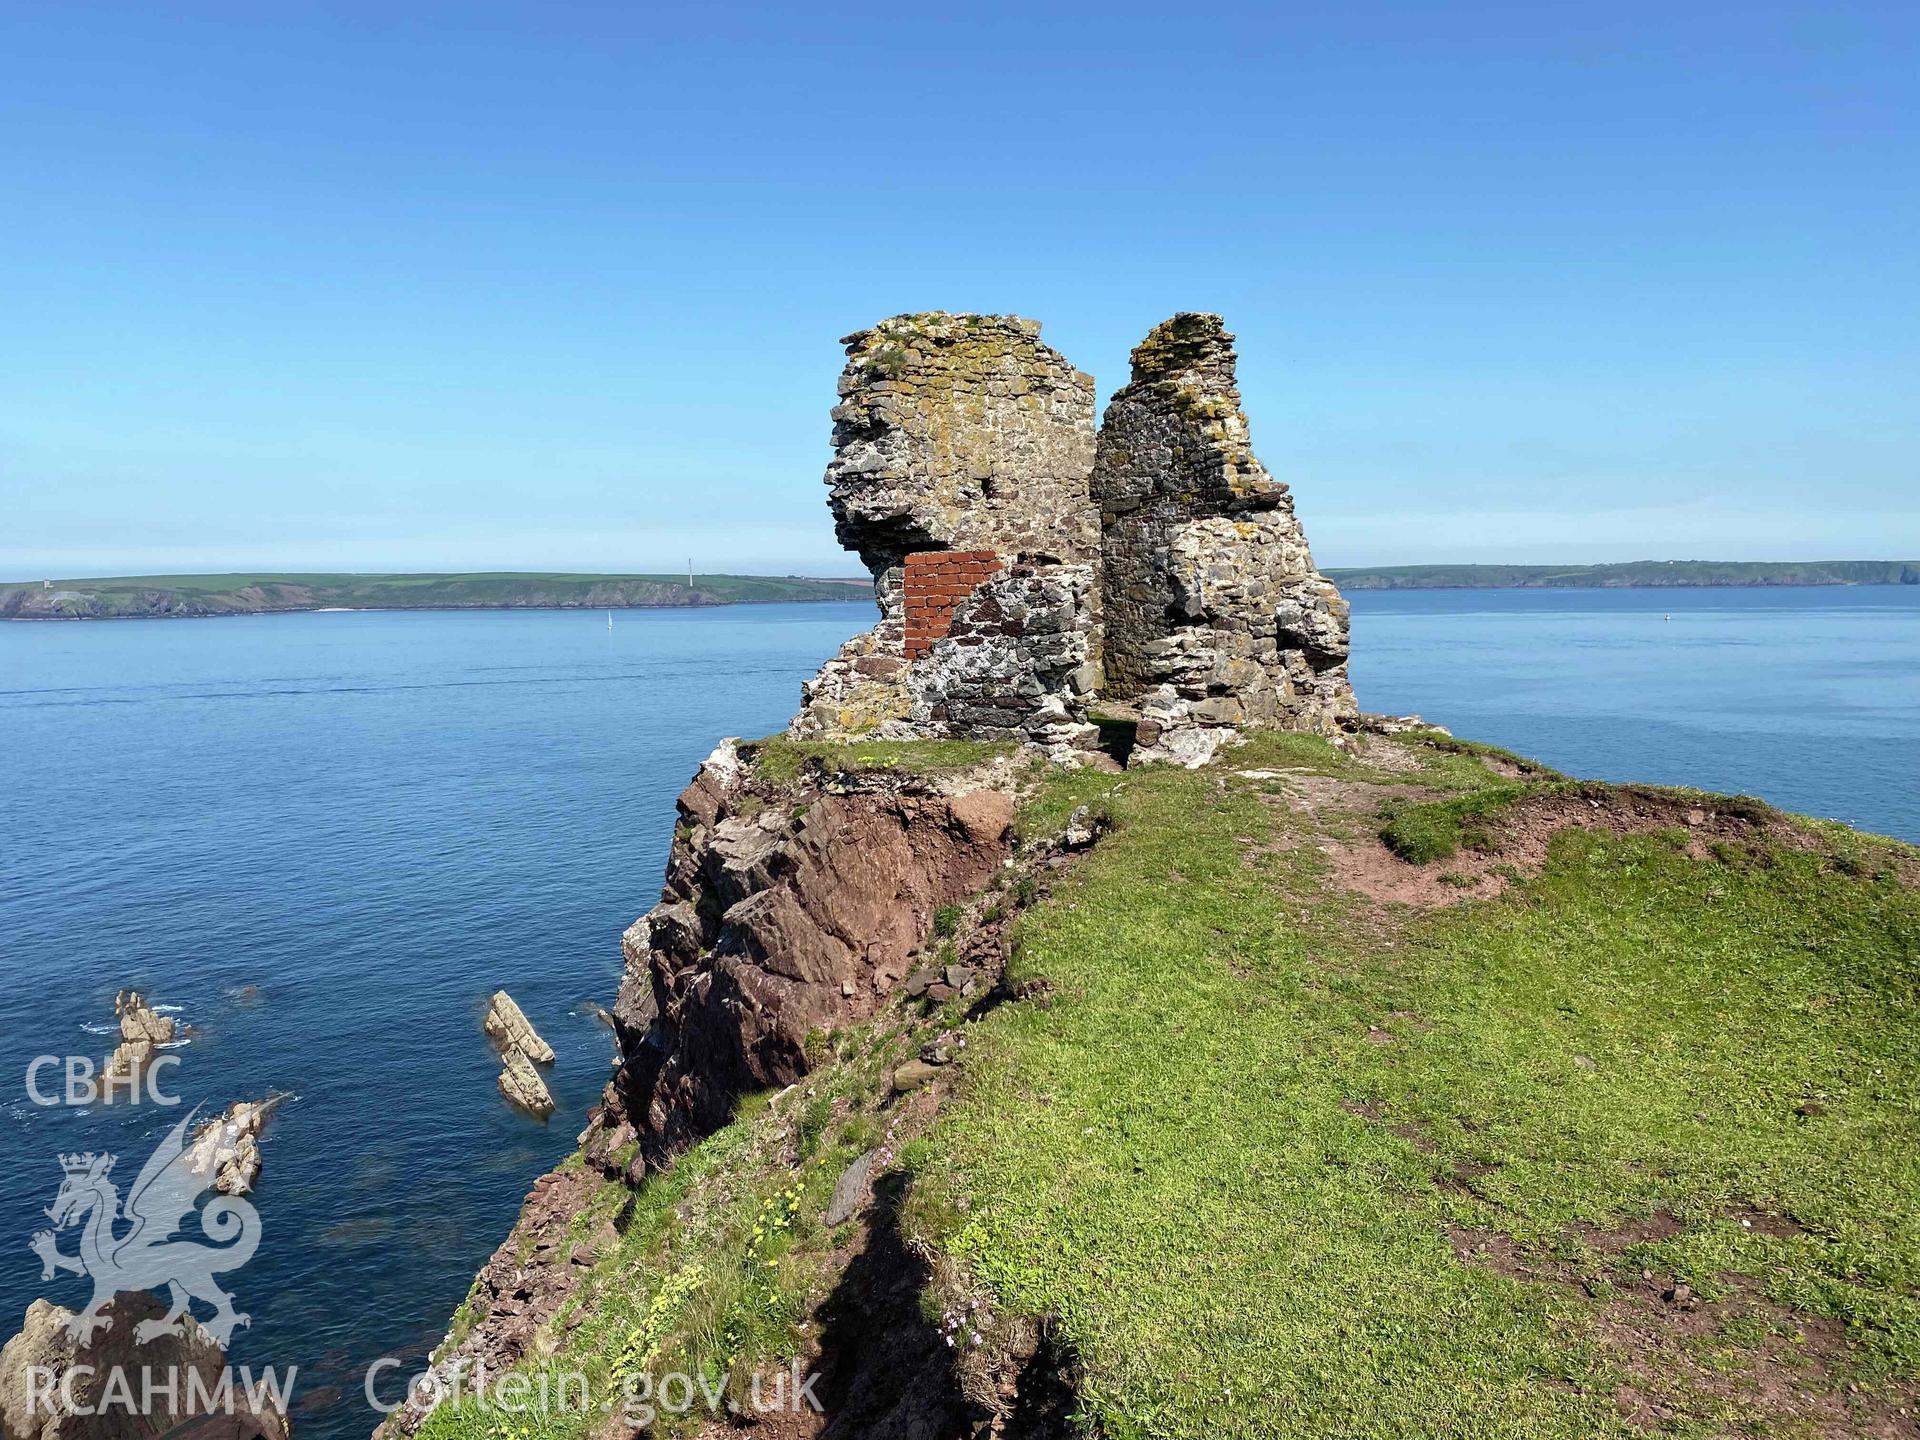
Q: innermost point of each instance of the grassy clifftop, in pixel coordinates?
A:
(202, 595)
(1312, 1146)
(1404, 1090)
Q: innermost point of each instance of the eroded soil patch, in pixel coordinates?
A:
(1737, 1358)
(1514, 843)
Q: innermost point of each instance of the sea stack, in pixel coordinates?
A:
(522, 1085)
(508, 1027)
(521, 1049)
(142, 1032)
(226, 1149)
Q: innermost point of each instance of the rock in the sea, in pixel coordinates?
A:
(44, 1364)
(522, 1085)
(521, 1048)
(138, 1022)
(508, 1026)
(142, 1033)
(227, 1148)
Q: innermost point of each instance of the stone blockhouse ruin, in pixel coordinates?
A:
(1027, 569)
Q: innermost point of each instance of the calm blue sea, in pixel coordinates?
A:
(377, 819)
(1808, 697)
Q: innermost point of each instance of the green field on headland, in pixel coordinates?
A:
(1630, 574)
(199, 595)
(127, 596)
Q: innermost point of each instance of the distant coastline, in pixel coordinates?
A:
(1631, 575)
(200, 596)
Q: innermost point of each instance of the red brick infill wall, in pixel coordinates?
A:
(937, 581)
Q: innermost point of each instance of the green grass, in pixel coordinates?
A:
(1422, 834)
(1166, 1157)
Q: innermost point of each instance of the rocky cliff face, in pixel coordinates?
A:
(791, 908)
(1214, 613)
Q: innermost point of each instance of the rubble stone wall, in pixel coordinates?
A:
(1023, 564)
(1017, 661)
(964, 439)
(1214, 614)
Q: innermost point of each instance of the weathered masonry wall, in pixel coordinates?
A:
(1214, 614)
(1017, 661)
(937, 581)
(961, 432)
(963, 447)
(1023, 565)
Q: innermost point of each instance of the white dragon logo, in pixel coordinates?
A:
(149, 1254)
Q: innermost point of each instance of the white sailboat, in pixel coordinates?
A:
(609, 619)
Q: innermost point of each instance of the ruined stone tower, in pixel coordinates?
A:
(1214, 614)
(1019, 572)
(963, 447)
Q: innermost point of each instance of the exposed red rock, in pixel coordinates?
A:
(788, 909)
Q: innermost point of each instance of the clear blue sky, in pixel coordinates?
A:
(357, 286)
